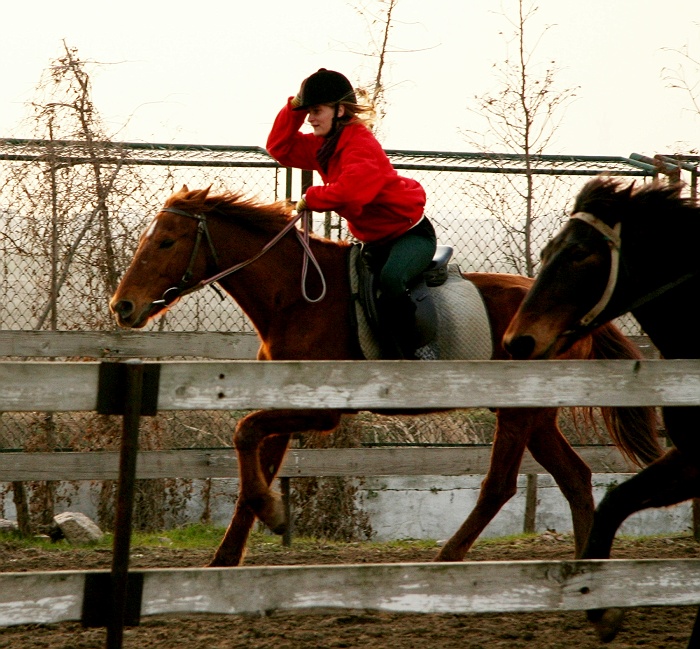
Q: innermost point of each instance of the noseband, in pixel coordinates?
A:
(612, 237)
(174, 292)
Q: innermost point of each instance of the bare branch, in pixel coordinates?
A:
(521, 116)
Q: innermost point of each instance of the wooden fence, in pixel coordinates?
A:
(134, 388)
(202, 464)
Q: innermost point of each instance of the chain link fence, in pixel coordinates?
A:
(71, 213)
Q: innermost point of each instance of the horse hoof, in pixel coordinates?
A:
(606, 622)
(217, 562)
(449, 554)
(272, 514)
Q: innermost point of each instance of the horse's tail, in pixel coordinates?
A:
(635, 430)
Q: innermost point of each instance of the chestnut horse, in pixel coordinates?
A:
(196, 233)
(623, 250)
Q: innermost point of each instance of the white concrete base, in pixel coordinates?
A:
(435, 507)
(425, 507)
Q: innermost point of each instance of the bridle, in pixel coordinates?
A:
(174, 292)
(614, 241)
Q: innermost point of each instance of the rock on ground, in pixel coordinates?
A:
(78, 528)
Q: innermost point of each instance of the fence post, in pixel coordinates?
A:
(285, 486)
(696, 518)
(125, 500)
(127, 389)
(530, 504)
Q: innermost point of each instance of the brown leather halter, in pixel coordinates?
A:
(612, 237)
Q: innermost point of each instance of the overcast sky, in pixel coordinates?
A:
(217, 72)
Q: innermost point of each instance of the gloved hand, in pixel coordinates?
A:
(301, 204)
(298, 98)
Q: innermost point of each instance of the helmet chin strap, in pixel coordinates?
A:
(334, 123)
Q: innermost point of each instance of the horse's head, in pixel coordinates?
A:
(167, 260)
(572, 292)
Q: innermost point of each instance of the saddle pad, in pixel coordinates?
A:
(464, 332)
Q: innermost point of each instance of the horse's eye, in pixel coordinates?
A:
(579, 253)
(166, 243)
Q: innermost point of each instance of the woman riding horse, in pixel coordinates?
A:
(383, 210)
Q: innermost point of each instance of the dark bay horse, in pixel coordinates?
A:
(635, 250)
(196, 233)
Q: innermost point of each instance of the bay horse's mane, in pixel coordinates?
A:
(253, 214)
(612, 199)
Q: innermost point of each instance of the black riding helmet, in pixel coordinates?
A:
(325, 87)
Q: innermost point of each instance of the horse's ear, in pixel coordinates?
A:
(202, 194)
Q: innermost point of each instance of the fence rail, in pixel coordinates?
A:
(299, 463)
(478, 587)
(232, 345)
(236, 345)
(365, 385)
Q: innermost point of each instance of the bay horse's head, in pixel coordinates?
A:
(574, 289)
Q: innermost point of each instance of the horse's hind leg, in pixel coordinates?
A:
(513, 428)
(232, 547)
(551, 449)
(250, 433)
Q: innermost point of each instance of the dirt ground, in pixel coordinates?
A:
(657, 628)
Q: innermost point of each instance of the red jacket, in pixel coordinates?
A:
(361, 184)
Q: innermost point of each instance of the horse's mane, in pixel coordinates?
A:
(611, 198)
(253, 214)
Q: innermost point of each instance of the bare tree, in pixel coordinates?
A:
(521, 116)
(379, 17)
(64, 238)
(685, 76)
(69, 233)
(381, 21)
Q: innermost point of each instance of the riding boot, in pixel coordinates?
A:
(397, 325)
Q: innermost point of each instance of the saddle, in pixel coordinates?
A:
(426, 319)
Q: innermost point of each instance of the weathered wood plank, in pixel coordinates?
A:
(40, 597)
(129, 344)
(475, 587)
(358, 385)
(344, 462)
(28, 386)
(440, 384)
(234, 345)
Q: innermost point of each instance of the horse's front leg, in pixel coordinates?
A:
(513, 429)
(254, 490)
(231, 550)
(669, 480)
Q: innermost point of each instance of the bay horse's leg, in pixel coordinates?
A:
(513, 429)
(231, 550)
(552, 450)
(670, 480)
(254, 490)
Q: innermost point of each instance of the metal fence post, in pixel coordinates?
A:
(125, 500)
